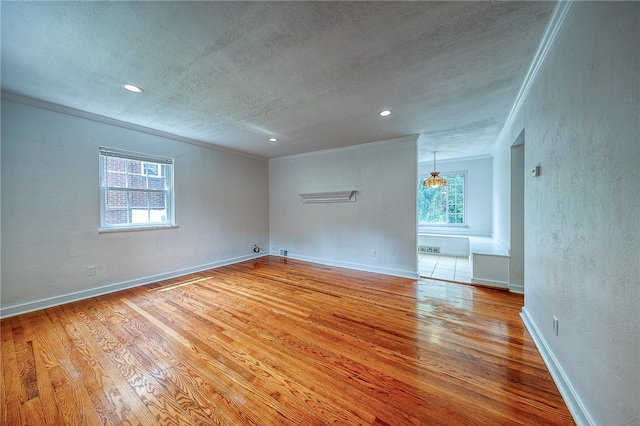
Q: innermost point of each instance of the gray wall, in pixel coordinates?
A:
(50, 210)
(582, 220)
(383, 218)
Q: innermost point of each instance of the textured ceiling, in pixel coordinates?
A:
(313, 74)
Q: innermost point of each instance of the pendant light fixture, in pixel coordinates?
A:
(434, 181)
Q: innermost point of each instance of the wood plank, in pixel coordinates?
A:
(279, 342)
(13, 410)
(71, 396)
(47, 397)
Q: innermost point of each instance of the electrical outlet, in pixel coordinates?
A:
(91, 270)
(555, 325)
(373, 253)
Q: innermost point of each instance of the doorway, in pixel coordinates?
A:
(516, 252)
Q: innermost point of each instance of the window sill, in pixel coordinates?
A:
(439, 228)
(134, 229)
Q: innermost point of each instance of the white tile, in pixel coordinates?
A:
(462, 261)
(451, 268)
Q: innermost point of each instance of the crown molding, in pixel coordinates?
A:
(550, 34)
(39, 103)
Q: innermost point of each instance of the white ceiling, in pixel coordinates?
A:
(313, 74)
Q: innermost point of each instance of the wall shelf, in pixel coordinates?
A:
(329, 197)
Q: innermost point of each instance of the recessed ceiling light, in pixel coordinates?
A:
(273, 139)
(385, 113)
(132, 88)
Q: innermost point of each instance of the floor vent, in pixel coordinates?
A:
(284, 253)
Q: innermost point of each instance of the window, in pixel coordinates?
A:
(136, 190)
(443, 205)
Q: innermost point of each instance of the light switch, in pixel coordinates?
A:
(535, 172)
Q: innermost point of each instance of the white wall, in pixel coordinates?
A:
(582, 221)
(50, 209)
(383, 218)
(478, 195)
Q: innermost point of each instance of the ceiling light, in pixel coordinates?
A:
(273, 139)
(434, 181)
(385, 113)
(132, 88)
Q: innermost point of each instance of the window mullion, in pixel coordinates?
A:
(117, 188)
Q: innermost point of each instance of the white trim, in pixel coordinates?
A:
(519, 288)
(413, 275)
(165, 164)
(490, 283)
(136, 228)
(569, 394)
(26, 100)
(10, 311)
(329, 197)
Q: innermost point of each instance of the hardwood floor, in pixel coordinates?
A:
(279, 342)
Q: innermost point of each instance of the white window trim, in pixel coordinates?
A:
(170, 196)
(426, 226)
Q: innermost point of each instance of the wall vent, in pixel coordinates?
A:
(284, 253)
(428, 249)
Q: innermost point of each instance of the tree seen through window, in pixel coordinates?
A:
(442, 205)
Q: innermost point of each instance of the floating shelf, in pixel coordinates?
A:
(329, 197)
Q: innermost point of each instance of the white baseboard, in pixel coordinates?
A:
(571, 398)
(36, 305)
(490, 283)
(413, 275)
(516, 288)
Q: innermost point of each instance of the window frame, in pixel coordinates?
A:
(143, 158)
(445, 175)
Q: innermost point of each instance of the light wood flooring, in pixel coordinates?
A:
(275, 341)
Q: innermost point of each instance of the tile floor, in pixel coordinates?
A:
(444, 267)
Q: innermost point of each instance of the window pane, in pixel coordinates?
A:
(442, 206)
(131, 184)
(139, 200)
(156, 183)
(116, 199)
(151, 169)
(136, 181)
(157, 201)
(116, 179)
(134, 167)
(117, 217)
(115, 164)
